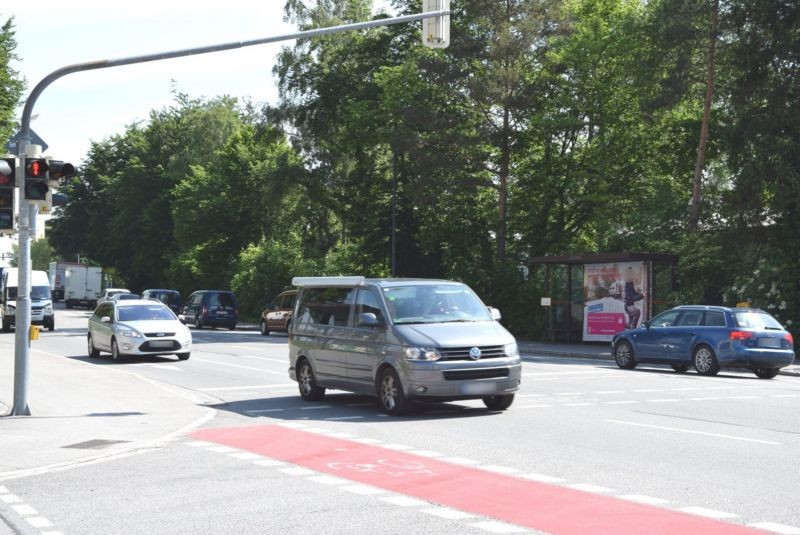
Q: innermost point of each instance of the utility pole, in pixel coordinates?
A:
(438, 32)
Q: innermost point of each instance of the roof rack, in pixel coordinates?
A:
(310, 282)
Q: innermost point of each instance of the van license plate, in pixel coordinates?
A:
(161, 343)
(479, 388)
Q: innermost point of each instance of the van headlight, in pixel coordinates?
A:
(130, 333)
(48, 311)
(422, 353)
(511, 350)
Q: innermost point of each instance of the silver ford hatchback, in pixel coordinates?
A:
(400, 340)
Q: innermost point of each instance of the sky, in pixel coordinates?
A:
(93, 105)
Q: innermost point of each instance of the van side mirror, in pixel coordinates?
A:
(369, 319)
(182, 318)
(496, 316)
(105, 319)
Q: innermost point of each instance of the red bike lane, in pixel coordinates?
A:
(531, 504)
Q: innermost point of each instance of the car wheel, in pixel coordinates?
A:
(51, 326)
(198, 323)
(680, 368)
(766, 373)
(307, 384)
(115, 354)
(69, 304)
(264, 328)
(391, 397)
(705, 361)
(184, 356)
(623, 355)
(93, 352)
(498, 403)
(6, 326)
(232, 327)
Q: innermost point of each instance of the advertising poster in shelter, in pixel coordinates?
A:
(615, 299)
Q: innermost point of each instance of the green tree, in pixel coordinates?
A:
(11, 83)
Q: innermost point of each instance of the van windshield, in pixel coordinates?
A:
(37, 293)
(434, 303)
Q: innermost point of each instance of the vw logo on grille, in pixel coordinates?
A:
(475, 353)
(161, 334)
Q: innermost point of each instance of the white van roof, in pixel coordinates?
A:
(310, 282)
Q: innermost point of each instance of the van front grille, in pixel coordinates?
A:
(462, 353)
(478, 373)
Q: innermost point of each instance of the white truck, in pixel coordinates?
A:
(56, 274)
(41, 304)
(81, 284)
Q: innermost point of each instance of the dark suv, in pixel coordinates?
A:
(215, 308)
(171, 298)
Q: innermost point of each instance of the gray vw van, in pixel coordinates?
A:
(400, 340)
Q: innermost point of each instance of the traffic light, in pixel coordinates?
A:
(8, 167)
(58, 171)
(436, 30)
(36, 179)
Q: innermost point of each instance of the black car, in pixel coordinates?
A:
(213, 308)
(171, 298)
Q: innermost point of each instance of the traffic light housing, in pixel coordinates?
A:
(36, 179)
(8, 168)
(436, 30)
(58, 171)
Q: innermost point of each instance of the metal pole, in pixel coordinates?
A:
(23, 315)
(394, 214)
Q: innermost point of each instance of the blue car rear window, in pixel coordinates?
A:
(749, 319)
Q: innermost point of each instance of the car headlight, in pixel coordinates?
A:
(422, 353)
(129, 333)
(511, 350)
(48, 311)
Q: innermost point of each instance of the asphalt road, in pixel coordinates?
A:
(725, 448)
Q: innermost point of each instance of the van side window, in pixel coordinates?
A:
(326, 306)
(367, 301)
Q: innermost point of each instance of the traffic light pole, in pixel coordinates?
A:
(23, 312)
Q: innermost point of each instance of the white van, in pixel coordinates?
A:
(41, 303)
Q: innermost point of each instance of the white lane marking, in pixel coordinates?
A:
(588, 487)
(341, 435)
(641, 498)
(704, 399)
(461, 460)
(583, 372)
(293, 425)
(319, 430)
(540, 406)
(248, 387)
(427, 453)
(261, 411)
(709, 513)
(497, 527)
(672, 400)
(337, 418)
(720, 387)
(262, 370)
(297, 471)
(610, 392)
(774, 527)
(678, 430)
(316, 407)
(24, 510)
(688, 388)
(363, 490)
(170, 367)
(532, 395)
(446, 512)
(744, 397)
(577, 404)
(329, 480)
(626, 402)
(39, 522)
(648, 390)
(245, 455)
(52, 533)
(541, 478)
(11, 498)
(223, 449)
(398, 447)
(197, 443)
(268, 463)
(498, 469)
(569, 394)
(403, 501)
(367, 441)
(785, 396)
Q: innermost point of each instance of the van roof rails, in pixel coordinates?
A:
(310, 282)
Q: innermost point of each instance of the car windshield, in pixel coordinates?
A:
(434, 303)
(221, 300)
(168, 298)
(37, 293)
(145, 313)
(749, 319)
(126, 296)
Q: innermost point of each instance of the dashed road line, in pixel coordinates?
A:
(297, 471)
(709, 513)
(774, 527)
(248, 387)
(541, 478)
(692, 432)
(446, 512)
(669, 400)
(588, 487)
(339, 418)
(623, 402)
(363, 490)
(498, 527)
(329, 480)
(641, 498)
(403, 501)
(498, 469)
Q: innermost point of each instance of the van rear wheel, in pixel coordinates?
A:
(391, 397)
(498, 403)
(307, 383)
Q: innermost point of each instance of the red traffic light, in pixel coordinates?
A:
(35, 168)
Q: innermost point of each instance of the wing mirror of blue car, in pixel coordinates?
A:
(646, 324)
(368, 319)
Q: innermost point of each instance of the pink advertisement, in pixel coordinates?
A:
(615, 297)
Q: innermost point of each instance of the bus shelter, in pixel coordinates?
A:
(591, 297)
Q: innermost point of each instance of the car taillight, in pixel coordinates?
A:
(789, 338)
(741, 335)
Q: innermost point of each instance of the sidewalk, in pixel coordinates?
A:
(83, 411)
(599, 351)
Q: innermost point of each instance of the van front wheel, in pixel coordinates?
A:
(307, 384)
(498, 403)
(391, 397)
